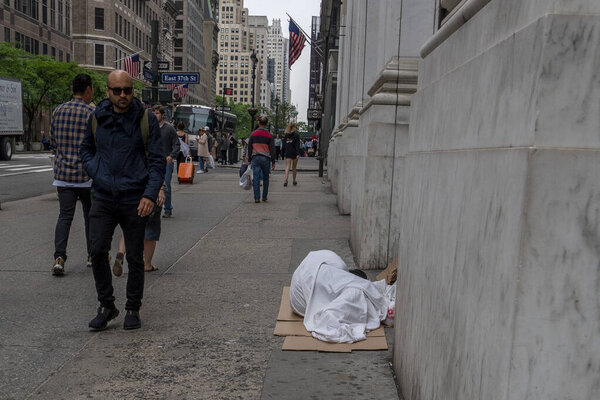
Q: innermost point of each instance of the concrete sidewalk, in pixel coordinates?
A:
(208, 313)
(305, 164)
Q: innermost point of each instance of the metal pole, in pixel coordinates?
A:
(154, 44)
(276, 116)
(253, 90)
(223, 114)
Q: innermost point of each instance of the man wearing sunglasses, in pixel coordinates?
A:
(128, 171)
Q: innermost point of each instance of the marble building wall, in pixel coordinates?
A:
(499, 289)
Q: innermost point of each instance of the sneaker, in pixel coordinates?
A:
(105, 314)
(200, 172)
(118, 265)
(167, 214)
(132, 320)
(257, 201)
(265, 200)
(59, 266)
(295, 183)
(89, 262)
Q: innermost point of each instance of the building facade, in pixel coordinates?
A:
(235, 50)
(38, 27)
(314, 86)
(259, 33)
(105, 33)
(278, 51)
(480, 178)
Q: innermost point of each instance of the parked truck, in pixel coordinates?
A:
(11, 116)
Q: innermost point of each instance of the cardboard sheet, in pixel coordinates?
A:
(290, 325)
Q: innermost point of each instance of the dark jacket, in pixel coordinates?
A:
(170, 140)
(116, 160)
(291, 145)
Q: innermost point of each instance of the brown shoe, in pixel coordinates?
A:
(59, 266)
(118, 265)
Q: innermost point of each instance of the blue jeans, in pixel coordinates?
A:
(201, 162)
(168, 175)
(261, 168)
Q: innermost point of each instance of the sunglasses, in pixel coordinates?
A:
(117, 90)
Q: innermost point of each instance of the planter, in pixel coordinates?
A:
(36, 146)
(19, 147)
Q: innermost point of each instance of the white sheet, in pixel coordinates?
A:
(337, 306)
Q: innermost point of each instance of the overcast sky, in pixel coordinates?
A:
(302, 12)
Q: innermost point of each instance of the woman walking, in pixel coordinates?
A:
(291, 147)
(203, 149)
(183, 137)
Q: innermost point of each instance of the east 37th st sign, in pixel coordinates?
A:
(179, 77)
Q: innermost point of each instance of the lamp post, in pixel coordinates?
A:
(276, 115)
(252, 111)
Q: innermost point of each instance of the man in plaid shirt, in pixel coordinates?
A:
(67, 129)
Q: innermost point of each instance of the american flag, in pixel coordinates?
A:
(182, 90)
(297, 40)
(170, 86)
(132, 65)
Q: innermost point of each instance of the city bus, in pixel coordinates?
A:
(195, 117)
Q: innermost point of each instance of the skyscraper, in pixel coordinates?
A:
(278, 51)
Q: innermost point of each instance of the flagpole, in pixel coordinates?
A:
(134, 54)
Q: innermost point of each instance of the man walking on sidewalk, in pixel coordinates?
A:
(171, 148)
(261, 153)
(123, 153)
(66, 133)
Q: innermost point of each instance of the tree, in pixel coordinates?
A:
(45, 82)
(243, 118)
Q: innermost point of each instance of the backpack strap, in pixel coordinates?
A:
(144, 125)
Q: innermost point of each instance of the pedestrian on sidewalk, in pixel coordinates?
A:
(223, 147)
(123, 153)
(151, 237)
(203, 149)
(291, 144)
(184, 144)
(67, 130)
(232, 151)
(277, 146)
(213, 147)
(261, 153)
(171, 149)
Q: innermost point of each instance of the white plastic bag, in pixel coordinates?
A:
(211, 161)
(246, 179)
(185, 149)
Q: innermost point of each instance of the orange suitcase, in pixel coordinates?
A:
(185, 173)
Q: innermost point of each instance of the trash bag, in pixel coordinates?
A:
(211, 161)
(246, 179)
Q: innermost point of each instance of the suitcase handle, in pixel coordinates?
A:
(188, 158)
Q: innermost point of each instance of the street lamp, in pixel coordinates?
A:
(276, 115)
(252, 111)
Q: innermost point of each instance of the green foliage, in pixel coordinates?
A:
(241, 112)
(45, 82)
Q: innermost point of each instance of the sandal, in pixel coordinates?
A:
(152, 269)
(295, 183)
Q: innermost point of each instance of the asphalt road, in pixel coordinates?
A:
(26, 175)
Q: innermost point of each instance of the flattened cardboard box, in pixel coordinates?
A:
(290, 325)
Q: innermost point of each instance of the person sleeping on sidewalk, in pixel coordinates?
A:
(337, 305)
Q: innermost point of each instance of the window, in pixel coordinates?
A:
(45, 11)
(60, 15)
(99, 18)
(99, 54)
(45, 49)
(7, 34)
(60, 55)
(53, 52)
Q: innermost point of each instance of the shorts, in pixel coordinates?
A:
(153, 225)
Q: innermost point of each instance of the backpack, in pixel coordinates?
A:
(144, 125)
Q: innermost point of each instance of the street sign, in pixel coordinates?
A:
(223, 108)
(179, 77)
(148, 75)
(162, 65)
(228, 91)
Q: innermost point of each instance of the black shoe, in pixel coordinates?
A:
(105, 314)
(285, 183)
(265, 200)
(167, 214)
(257, 201)
(132, 320)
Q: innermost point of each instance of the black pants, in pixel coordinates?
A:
(67, 200)
(230, 155)
(223, 156)
(104, 217)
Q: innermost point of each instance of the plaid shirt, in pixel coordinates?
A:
(69, 121)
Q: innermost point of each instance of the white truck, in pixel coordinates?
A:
(11, 116)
